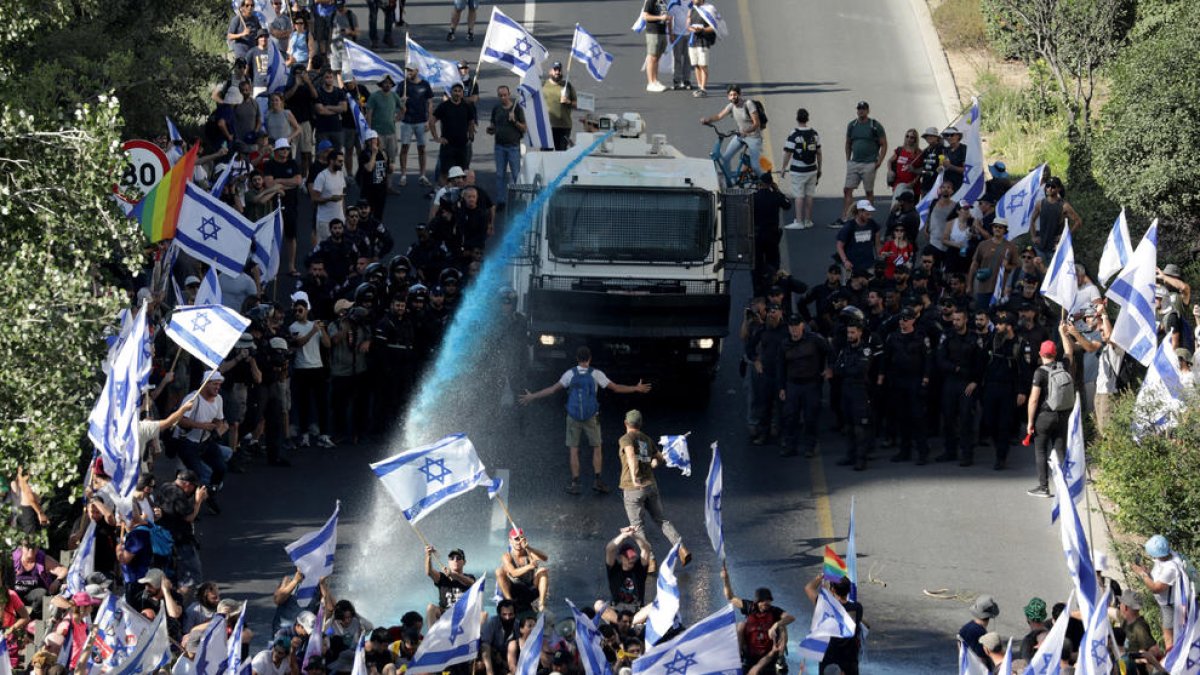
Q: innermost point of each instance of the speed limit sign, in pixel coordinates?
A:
(145, 166)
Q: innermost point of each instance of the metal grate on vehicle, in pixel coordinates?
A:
(631, 286)
(613, 223)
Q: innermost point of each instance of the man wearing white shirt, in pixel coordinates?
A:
(308, 372)
(329, 194)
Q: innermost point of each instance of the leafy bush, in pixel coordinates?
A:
(960, 24)
(1023, 126)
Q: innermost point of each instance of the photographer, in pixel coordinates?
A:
(241, 375)
(350, 335)
(272, 362)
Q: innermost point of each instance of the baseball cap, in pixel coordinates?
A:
(323, 146)
(191, 280)
(633, 418)
(1048, 349)
(463, 64)
(456, 172)
(282, 144)
(774, 307)
(516, 532)
(369, 134)
(154, 577)
(557, 65)
(457, 552)
(1131, 599)
(864, 205)
(189, 476)
(862, 104)
(795, 320)
(907, 314)
(278, 343)
(301, 297)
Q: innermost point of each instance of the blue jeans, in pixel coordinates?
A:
(753, 147)
(508, 165)
(206, 459)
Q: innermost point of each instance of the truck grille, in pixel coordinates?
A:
(630, 286)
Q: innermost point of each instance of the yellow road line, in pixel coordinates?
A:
(820, 492)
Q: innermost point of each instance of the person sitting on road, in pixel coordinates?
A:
(521, 577)
(765, 627)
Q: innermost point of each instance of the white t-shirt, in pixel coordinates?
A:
(330, 184)
(235, 290)
(1109, 367)
(1084, 296)
(1165, 571)
(598, 376)
(204, 411)
(308, 356)
(263, 665)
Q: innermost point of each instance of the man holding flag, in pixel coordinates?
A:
(639, 457)
(766, 625)
(842, 645)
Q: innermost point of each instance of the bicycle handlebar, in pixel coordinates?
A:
(719, 133)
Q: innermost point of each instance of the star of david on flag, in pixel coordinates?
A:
(830, 620)
(212, 231)
(714, 488)
(586, 50)
(424, 478)
(440, 73)
(208, 332)
(454, 638)
(709, 646)
(508, 44)
(1016, 206)
(1136, 330)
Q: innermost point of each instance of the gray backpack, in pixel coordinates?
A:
(1060, 388)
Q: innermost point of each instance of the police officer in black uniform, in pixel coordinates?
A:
(853, 368)
(1008, 365)
(763, 350)
(803, 364)
(393, 349)
(907, 363)
(960, 362)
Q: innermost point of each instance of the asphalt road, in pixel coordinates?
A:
(933, 528)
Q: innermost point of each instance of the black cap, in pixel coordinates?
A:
(761, 594)
(421, 226)
(457, 552)
(904, 269)
(920, 273)
(557, 65)
(908, 314)
(463, 64)
(774, 307)
(862, 104)
(795, 320)
(835, 267)
(189, 476)
(1002, 317)
(907, 196)
(775, 290)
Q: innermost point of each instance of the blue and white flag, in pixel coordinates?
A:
(5, 660)
(316, 642)
(110, 637)
(969, 663)
(1075, 467)
(973, 181)
(852, 558)
(277, 71)
(830, 620)
(586, 50)
(1117, 250)
(212, 657)
(538, 135)
(208, 332)
(589, 644)
(1095, 658)
(440, 73)
(234, 656)
(710, 646)
(675, 452)
(360, 120)
(210, 289)
(508, 44)
(1181, 660)
(422, 479)
(268, 240)
(1047, 658)
(368, 66)
(639, 25)
(1005, 667)
(360, 657)
(213, 232)
(112, 423)
(84, 562)
(531, 652)
(175, 150)
(1075, 545)
(713, 18)
(455, 636)
(666, 62)
(235, 167)
(999, 296)
(1136, 329)
(927, 200)
(313, 555)
(714, 489)
(153, 649)
(1016, 206)
(1060, 284)
(1162, 398)
(664, 613)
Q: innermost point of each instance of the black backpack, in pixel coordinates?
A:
(762, 114)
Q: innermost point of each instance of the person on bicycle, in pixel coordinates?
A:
(749, 129)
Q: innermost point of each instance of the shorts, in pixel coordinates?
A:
(1166, 615)
(575, 429)
(450, 155)
(289, 222)
(460, 5)
(306, 141)
(282, 391)
(388, 143)
(803, 184)
(339, 61)
(860, 172)
(656, 44)
(235, 404)
(698, 56)
(413, 133)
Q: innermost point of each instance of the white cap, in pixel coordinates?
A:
(456, 172)
(864, 205)
(369, 134)
(301, 296)
(282, 144)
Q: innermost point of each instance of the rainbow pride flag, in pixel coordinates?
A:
(835, 567)
(159, 209)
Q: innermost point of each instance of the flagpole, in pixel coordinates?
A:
(570, 60)
(405, 85)
(507, 515)
(421, 536)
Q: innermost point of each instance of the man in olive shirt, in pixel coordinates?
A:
(508, 126)
(639, 457)
(560, 100)
(866, 148)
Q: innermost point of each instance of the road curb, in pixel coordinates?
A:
(938, 62)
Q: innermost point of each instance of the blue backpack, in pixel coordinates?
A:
(162, 544)
(581, 396)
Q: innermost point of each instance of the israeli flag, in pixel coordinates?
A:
(84, 562)
(1075, 468)
(438, 72)
(1161, 400)
(234, 656)
(210, 289)
(1136, 328)
(277, 72)
(313, 555)
(998, 295)
(538, 135)
(1181, 658)
(1046, 659)
(1117, 250)
(212, 657)
(509, 45)
(1006, 665)
(109, 636)
(531, 653)
(830, 620)
(316, 642)
(589, 644)
(234, 168)
(664, 613)
(153, 649)
(675, 452)
(268, 238)
(927, 200)
(1060, 284)
(713, 18)
(639, 25)
(973, 180)
(714, 488)
(969, 663)
(1095, 658)
(1074, 543)
(422, 479)
(208, 332)
(455, 636)
(174, 150)
(360, 120)
(710, 646)
(112, 423)
(1016, 206)
(360, 657)
(368, 66)
(852, 558)
(586, 50)
(5, 660)
(213, 232)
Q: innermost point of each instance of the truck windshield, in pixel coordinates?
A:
(630, 224)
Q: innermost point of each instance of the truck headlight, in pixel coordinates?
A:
(703, 343)
(547, 340)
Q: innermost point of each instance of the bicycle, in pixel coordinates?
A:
(746, 175)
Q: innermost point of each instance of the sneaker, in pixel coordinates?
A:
(837, 224)
(470, 36)
(808, 224)
(1038, 491)
(573, 487)
(303, 441)
(450, 36)
(403, 180)
(689, 85)
(678, 86)
(700, 93)
(794, 225)
(323, 441)
(424, 181)
(600, 487)
(656, 87)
